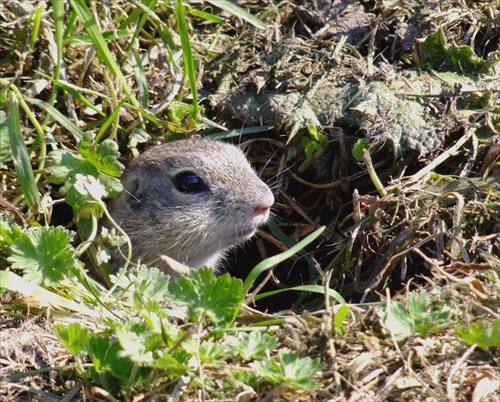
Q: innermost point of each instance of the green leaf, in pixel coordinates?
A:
(20, 157)
(254, 345)
(44, 254)
(175, 364)
(310, 146)
(290, 369)
(9, 232)
(313, 132)
(419, 318)
(103, 156)
(207, 352)
(151, 283)
(135, 339)
(107, 362)
(417, 305)
(82, 181)
(112, 185)
(187, 55)
(65, 165)
(397, 322)
(217, 298)
(340, 316)
(435, 51)
(273, 261)
(314, 141)
(5, 152)
(164, 333)
(239, 12)
(178, 112)
(483, 333)
(269, 370)
(137, 136)
(84, 193)
(73, 337)
(249, 378)
(432, 48)
(299, 372)
(358, 148)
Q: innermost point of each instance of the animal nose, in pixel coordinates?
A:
(264, 202)
(262, 209)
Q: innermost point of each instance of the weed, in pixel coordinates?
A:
(419, 317)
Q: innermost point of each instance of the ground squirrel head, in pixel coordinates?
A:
(190, 200)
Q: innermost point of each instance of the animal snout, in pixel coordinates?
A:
(262, 209)
(265, 203)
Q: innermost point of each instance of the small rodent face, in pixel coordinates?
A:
(190, 200)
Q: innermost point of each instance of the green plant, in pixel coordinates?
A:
(289, 368)
(167, 340)
(434, 50)
(419, 317)
(314, 144)
(483, 333)
(358, 149)
(43, 254)
(150, 325)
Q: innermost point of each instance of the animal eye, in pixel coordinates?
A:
(189, 182)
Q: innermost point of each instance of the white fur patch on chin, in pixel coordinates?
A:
(213, 261)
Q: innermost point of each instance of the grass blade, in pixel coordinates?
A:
(146, 7)
(238, 132)
(37, 19)
(141, 80)
(58, 9)
(56, 114)
(21, 158)
(239, 12)
(77, 93)
(15, 283)
(206, 16)
(108, 122)
(187, 54)
(100, 44)
(96, 36)
(304, 288)
(273, 261)
(56, 50)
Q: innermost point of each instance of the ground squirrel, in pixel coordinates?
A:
(191, 200)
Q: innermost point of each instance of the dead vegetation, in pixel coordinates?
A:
(377, 119)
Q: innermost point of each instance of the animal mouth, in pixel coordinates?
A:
(245, 233)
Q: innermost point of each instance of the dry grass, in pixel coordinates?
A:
(418, 213)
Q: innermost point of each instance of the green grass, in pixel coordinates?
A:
(162, 328)
(86, 84)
